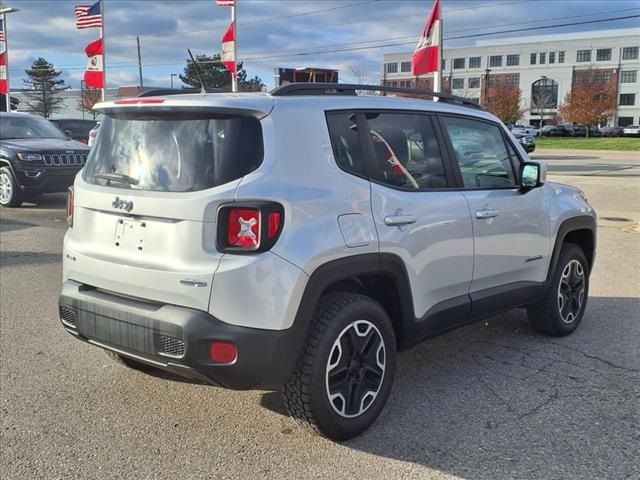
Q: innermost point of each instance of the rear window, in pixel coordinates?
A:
(182, 152)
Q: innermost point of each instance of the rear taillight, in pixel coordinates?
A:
(70, 207)
(249, 227)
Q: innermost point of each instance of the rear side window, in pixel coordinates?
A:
(182, 152)
(480, 152)
(345, 142)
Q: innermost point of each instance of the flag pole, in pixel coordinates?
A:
(6, 58)
(104, 56)
(437, 75)
(234, 74)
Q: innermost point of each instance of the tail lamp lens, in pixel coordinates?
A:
(70, 207)
(249, 228)
(243, 229)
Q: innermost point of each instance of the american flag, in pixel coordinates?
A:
(225, 3)
(1, 30)
(88, 16)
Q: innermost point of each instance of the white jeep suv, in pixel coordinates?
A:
(298, 240)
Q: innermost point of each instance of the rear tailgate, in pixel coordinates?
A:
(153, 234)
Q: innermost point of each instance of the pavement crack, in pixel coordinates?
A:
(595, 357)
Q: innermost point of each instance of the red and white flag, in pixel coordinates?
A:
(225, 3)
(93, 76)
(3, 73)
(426, 57)
(228, 49)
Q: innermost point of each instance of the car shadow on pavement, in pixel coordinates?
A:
(10, 225)
(52, 201)
(498, 400)
(27, 257)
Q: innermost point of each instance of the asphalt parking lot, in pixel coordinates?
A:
(490, 401)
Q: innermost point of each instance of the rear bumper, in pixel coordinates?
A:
(178, 339)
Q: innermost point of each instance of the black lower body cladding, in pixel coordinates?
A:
(178, 339)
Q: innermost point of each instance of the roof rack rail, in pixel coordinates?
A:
(291, 89)
(155, 92)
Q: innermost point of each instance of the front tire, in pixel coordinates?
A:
(10, 195)
(562, 308)
(343, 377)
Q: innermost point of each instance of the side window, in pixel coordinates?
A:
(481, 153)
(407, 151)
(345, 142)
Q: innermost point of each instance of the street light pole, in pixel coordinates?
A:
(3, 12)
(173, 75)
(486, 85)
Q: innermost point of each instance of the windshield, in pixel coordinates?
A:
(27, 126)
(174, 152)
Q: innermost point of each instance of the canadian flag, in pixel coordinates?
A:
(93, 76)
(426, 57)
(228, 44)
(3, 73)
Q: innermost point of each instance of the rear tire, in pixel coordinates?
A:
(344, 375)
(10, 195)
(562, 308)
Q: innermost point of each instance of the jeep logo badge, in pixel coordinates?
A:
(125, 205)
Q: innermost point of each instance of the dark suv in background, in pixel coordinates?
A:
(35, 158)
(76, 128)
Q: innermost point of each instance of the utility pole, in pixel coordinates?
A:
(486, 85)
(140, 64)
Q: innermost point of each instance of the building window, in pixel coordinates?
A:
(392, 68)
(630, 53)
(583, 56)
(474, 82)
(495, 61)
(603, 76)
(544, 94)
(458, 83)
(532, 60)
(405, 67)
(458, 63)
(474, 62)
(560, 57)
(543, 58)
(625, 121)
(513, 60)
(512, 80)
(603, 54)
(552, 57)
(627, 99)
(629, 76)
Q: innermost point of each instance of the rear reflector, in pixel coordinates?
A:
(275, 219)
(223, 352)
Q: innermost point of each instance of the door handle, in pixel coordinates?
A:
(397, 220)
(487, 213)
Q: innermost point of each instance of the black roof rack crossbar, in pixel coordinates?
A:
(163, 92)
(352, 88)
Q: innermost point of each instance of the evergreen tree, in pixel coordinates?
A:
(215, 75)
(43, 88)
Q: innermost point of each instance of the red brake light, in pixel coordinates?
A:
(243, 229)
(223, 352)
(70, 207)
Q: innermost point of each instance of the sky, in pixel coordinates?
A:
(275, 33)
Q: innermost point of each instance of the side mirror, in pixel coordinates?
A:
(531, 176)
(67, 132)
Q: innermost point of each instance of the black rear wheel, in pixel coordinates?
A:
(344, 376)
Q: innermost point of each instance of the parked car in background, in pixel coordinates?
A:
(631, 131)
(527, 141)
(93, 134)
(527, 130)
(560, 131)
(76, 128)
(546, 131)
(612, 131)
(35, 158)
(577, 130)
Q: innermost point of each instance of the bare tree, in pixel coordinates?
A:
(542, 100)
(358, 72)
(90, 96)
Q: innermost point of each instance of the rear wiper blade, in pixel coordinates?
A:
(118, 177)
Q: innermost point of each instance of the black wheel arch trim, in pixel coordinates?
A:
(581, 222)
